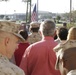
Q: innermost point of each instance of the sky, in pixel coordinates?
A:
(54, 6)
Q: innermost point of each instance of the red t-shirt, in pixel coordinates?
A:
(19, 52)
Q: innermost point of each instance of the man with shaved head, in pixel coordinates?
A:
(66, 57)
(9, 40)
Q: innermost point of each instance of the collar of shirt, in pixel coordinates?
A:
(48, 38)
(3, 57)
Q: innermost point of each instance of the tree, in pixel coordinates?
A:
(4, 0)
(73, 17)
(58, 18)
(28, 13)
(1, 16)
(6, 18)
(25, 0)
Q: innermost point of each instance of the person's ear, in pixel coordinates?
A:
(6, 41)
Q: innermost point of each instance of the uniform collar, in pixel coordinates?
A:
(3, 57)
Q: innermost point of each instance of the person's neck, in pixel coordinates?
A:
(25, 41)
(3, 51)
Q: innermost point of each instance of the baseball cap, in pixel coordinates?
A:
(12, 28)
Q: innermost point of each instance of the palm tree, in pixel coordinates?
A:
(28, 1)
(58, 18)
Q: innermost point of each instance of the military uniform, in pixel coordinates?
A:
(7, 68)
(65, 45)
(34, 37)
(60, 48)
(72, 72)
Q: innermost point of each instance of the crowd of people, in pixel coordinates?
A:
(39, 52)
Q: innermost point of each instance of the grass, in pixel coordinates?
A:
(59, 25)
(68, 25)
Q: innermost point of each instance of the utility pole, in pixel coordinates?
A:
(37, 10)
(30, 12)
(70, 11)
(27, 12)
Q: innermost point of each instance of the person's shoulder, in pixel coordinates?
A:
(6, 67)
(65, 45)
(30, 35)
(34, 44)
(16, 70)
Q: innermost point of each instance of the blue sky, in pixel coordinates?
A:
(55, 6)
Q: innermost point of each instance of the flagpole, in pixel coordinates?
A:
(37, 10)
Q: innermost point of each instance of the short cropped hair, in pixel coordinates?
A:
(24, 34)
(70, 55)
(67, 47)
(34, 29)
(62, 33)
(47, 27)
(34, 26)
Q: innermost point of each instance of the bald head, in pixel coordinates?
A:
(69, 58)
(69, 53)
(66, 56)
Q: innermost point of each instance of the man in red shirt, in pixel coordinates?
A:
(39, 58)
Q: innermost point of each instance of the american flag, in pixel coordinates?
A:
(34, 14)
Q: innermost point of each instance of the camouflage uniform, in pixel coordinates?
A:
(7, 68)
(34, 37)
(60, 48)
(65, 45)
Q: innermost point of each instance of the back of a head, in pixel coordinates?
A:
(62, 33)
(34, 26)
(69, 58)
(47, 27)
(66, 61)
(65, 25)
(72, 33)
(24, 34)
(66, 53)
